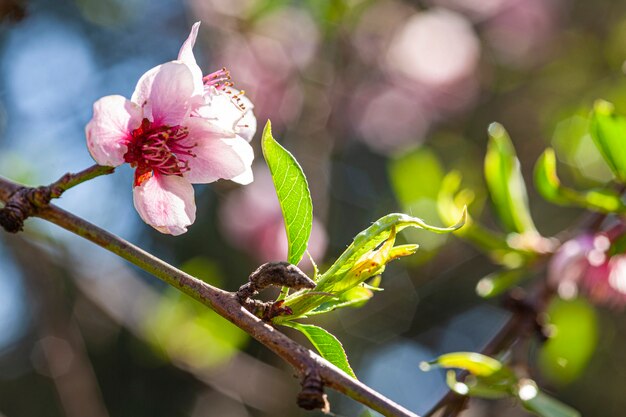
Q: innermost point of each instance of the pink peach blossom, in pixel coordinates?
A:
(177, 129)
(584, 265)
(606, 283)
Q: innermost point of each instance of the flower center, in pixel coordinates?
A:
(158, 149)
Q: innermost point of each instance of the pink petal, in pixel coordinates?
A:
(165, 93)
(186, 57)
(246, 127)
(114, 118)
(166, 203)
(221, 109)
(217, 156)
(241, 146)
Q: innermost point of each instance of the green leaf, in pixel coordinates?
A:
(505, 182)
(477, 387)
(475, 363)
(416, 175)
(449, 203)
(549, 186)
(187, 332)
(293, 194)
(327, 345)
(378, 232)
(608, 131)
(342, 275)
(496, 283)
(354, 297)
(564, 357)
(546, 406)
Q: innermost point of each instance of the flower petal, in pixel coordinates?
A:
(223, 110)
(246, 128)
(186, 56)
(114, 118)
(166, 202)
(165, 93)
(216, 156)
(243, 148)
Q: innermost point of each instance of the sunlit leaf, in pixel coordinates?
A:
(498, 282)
(505, 182)
(186, 331)
(378, 232)
(293, 194)
(545, 406)
(574, 338)
(415, 178)
(450, 202)
(354, 297)
(204, 269)
(364, 258)
(475, 363)
(415, 175)
(549, 185)
(608, 131)
(490, 379)
(476, 387)
(576, 148)
(327, 345)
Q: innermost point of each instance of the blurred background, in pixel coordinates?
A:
(377, 100)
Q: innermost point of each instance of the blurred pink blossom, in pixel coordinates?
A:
(375, 29)
(177, 129)
(583, 264)
(389, 118)
(521, 30)
(569, 264)
(269, 56)
(431, 61)
(435, 48)
(251, 219)
(277, 95)
(606, 283)
(477, 10)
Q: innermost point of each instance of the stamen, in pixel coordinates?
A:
(219, 79)
(158, 149)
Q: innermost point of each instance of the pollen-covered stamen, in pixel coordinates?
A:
(220, 79)
(238, 101)
(158, 149)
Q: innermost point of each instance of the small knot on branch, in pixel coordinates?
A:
(12, 217)
(277, 274)
(23, 204)
(312, 396)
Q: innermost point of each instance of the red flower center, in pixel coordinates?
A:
(158, 149)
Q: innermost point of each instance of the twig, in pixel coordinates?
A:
(523, 323)
(68, 181)
(224, 303)
(23, 202)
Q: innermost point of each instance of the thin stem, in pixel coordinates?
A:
(224, 303)
(71, 180)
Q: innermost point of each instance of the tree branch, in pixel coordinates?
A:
(308, 364)
(23, 202)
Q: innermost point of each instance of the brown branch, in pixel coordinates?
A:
(225, 303)
(526, 309)
(23, 202)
